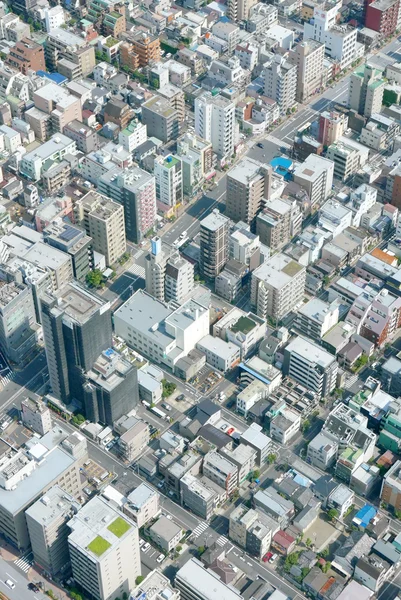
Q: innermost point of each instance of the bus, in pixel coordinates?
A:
(158, 413)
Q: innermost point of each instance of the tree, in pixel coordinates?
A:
(256, 474)
(95, 278)
(308, 542)
(397, 514)
(332, 514)
(201, 550)
(139, 579)
(271, 458)
(305, 426)
(179, 548)
(324, 553)
(326, 566)
(125, 596)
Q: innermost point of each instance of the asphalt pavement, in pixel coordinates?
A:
(21, 591)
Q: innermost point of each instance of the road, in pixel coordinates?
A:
(21, 591)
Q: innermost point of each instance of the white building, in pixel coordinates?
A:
(322, 451)
(243, 329)
(285, 425)
(215, 123)
(221, 355)
(133, 136)
(361, 201)
(315, 318)
(281, 82)
(55, 149)
(168, 175)
(334, 217)
(54, 17)
(142, 505)
(255, 391)
(315, 175)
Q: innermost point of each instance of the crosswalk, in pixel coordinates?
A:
(222, 541)
(199, 529)
(138, 254)
(137, 270)
(24, 562)
(6, 378)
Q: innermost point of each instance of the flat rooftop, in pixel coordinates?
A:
(214, 221)
(311, 351)
(77, 302)
(209, 586)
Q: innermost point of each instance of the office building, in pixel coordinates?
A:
(281, 82)
(391, 487)
(36, 415)
(168, 176)
(285, 425)
(156, 586)
(161, 119)
(166, 534)
(315, 175)
(278, 222)
(248, 188)
(332, 125)
(215, 123)
(135, 189)
(143, 505)
(251, 530)
(104, 550)
(366, 89)
(213, 244)
(72, 241)
(18, 327)
(312, 366)
(103, 220)
(256, 439)
(110, 389)
(308, 56)
(76, 328)
(54, 17)
(26, 55)
(195, 582)
(277, 287)
(47, 526)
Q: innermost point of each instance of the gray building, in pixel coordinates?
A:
(17, 321)
(166, 534)
(201, 496)
(161, 118)
(256, 439)
(214, 230)
(47, 525)
(84, 136)
(73, 241)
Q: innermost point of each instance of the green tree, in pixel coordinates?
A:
(125, 596)
(256, 474)
(326, 566)
(324, 553)
(308, 542)
(179, 548)
(332, 514)
(201, 550)
(139, 579)
(397, 514)
(271, 458)
(95, 278)
(305, 426)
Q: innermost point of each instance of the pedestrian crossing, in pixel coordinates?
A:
(199, 529)
(222, 541)
(138, 254)
(24, 562)
(137, 270)
(6, 378)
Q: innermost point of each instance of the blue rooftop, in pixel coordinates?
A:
(282, 165)
(54, 77)
(364, 515)
(255, 374)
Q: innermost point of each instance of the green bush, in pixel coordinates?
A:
(139, 579)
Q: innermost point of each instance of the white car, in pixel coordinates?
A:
(160, 558)
(141, 542)
(146, 547)
(10, 584)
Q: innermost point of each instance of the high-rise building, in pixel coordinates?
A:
(47, 526)
(278, 285)
(248, 188)
(308, 56)
(366, 89)
(168, 275)
(104, 222)
(76, 328)
(168, 175)
(215, 123)
(382, 16)
(279, 221)
(104, 550)
(281, 82)
(315, 175)
(155, 269)
(135, 189)
(332, 125)
(214, 230)
(17, 321)
(346, 159)
(161, 119)
(311, 366)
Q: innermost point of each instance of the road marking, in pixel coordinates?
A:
(222, 541)
(199, 529)
(11, 577)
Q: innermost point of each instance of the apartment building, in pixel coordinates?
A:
(47, 522)
(346, 159)
(248, 187)
(133, 136)
(36, 415)
(73, 241)
(17, 321)
(285, 425)
(161, 119)
(322, 451)
(103, 221)
(277, 287)
(33, 163)
(195, 582)
(312, 366)
(168, 276)
(133, 442)
(201, 495)
(54, 17)
(26, 55)
(128, 56)
(69, 54)
(215, 123)
(281, 82)
(308, 56)
(382, 16)
(168, 176)
(221, 470)
(315, 175)
(247, 526)
(315, 318)
(230, 32)
(332, 125)
(366, 90)
(104, 550)
(84, 137)
(213, 244)
(147, 48)
(143, 505)
(391, 487)
(278, 222)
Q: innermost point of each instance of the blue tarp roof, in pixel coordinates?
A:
(365, 515)
(54, 77)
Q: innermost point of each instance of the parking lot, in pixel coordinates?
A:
(150, 556)
(206, 380)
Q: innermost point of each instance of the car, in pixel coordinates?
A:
(230, 431)
(273, 558)
(145, 547)
(259, 145)
(180, 397)
(160, 558)
(169, 517)
(224, 427)
(10, 584)
(160, 485)
(33, 587)
(141, 542)
(267, 557)
(166, 406)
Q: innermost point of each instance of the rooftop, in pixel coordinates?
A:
(312, 351)
(208, 584)
(214, 221)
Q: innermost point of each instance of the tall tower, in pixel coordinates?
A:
(213, 244)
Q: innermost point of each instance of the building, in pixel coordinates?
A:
(254, 437)
(62, 106)
(17, 321)
(332, 125)
(195, 582)
(133, 136)
(33, 163)
(221, 470)
(76, 328)
(161, 119)
(167, 275)
(104, 550)
(133, 442)
(247, 526)
(277, 287)
(143, 505)
(47, 522)
(248, 187)
(315, 176)
(274, 505)
(168, 176)
(214, 231)
(85, 137)
(322, 452)
(26, 56)
(315, 318)
(146, 47)
(201, 496)
(312, 366)
(36, 415)
(155, 586)
(69, 54)
(215, 123)
(345, 158)
(281, 82)
(382, 16)
(166, 534)
(72, 241)
(308, 56)
(278, 222)
(372, 571)
(366, 88)
(243, 329)
(103, 220)
(285, 425)
(54, 17)
(391, 487)
(220, 355)
(243, 457)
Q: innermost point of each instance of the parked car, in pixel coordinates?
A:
(230, 431)
(259, 145)
(267, 557)
(166, 406)
(273, 558)
(145, 547)
(160, 558)
(180, 397)
(33, 587)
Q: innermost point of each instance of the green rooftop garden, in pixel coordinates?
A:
(99, 545)
(110, 42)
(170, 162)
(244, 325)
(119, 526)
